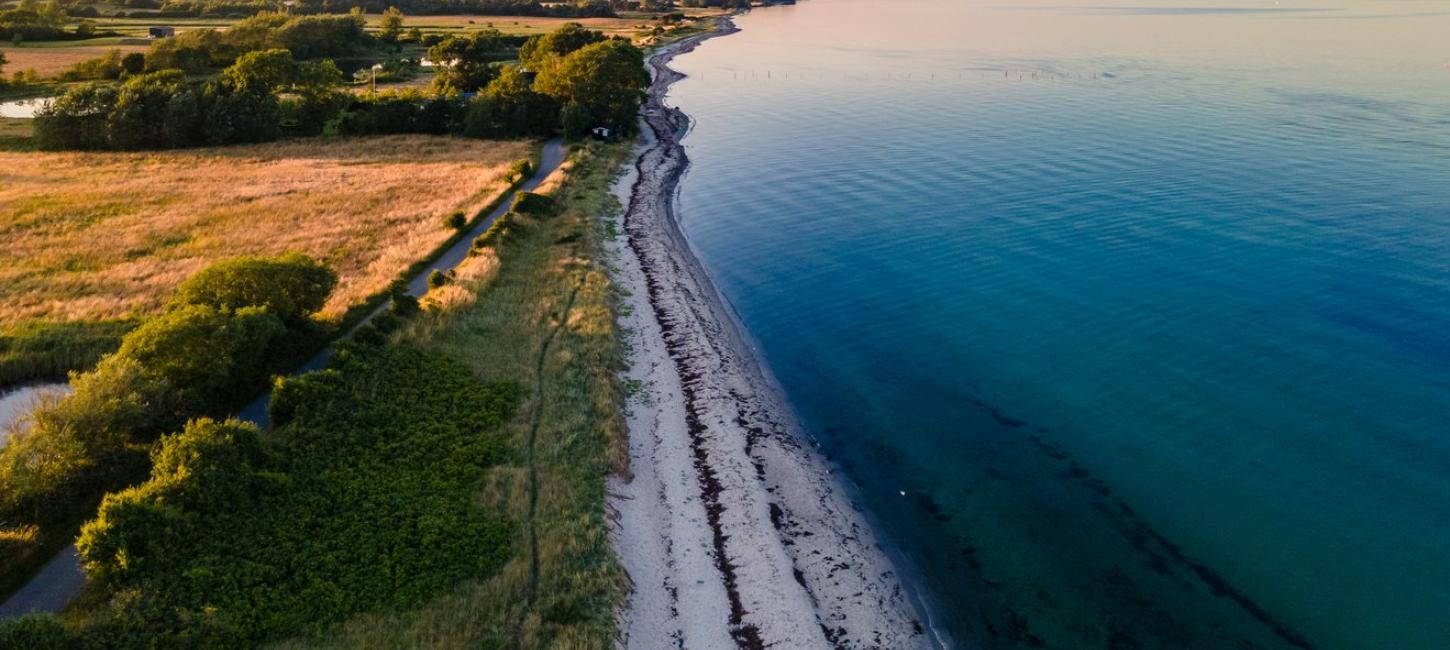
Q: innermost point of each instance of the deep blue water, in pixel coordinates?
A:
(1146, 307)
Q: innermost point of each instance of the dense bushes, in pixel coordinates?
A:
(363, 499)
(38, 632)
(510, 106)
(292, 288)
(585, 81)
(33, 22)
(407, 111)
(193, 360)
(163, 109)
(465, 63)
(306, 37)
(531, 203)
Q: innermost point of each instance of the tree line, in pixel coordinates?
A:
(568, 81)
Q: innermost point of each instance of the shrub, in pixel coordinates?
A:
(37, 632)
(76, 446)
(208, 359)
(207, 466)
(455, 220)
(521, 169)
(77, 119)
(437, 279)
(380, 455)
(531, 203)
(292, 287)
(106, 66)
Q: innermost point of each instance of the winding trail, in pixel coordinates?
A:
(61, 579)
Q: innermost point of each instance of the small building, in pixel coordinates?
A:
(602, 132)
(161, 32)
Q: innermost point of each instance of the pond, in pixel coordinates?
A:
(15, 403)
(23, 108)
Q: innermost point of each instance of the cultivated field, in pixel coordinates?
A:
(93, 236)
(49, 61)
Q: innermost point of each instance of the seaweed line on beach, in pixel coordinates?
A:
(797, 565)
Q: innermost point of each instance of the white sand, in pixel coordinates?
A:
(732, 530)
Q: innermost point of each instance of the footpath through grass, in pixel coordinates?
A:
(440, 485)
(537, 308)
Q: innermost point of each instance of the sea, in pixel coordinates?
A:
(1128, 322)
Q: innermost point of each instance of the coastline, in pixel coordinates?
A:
(732, 528)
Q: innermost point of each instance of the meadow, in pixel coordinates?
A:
(449, 461)
(535, 308)
(104, 237)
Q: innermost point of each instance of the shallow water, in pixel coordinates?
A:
(15, 403)
(1144, 306)
(22, 108)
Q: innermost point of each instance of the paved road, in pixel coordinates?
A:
(61, 578)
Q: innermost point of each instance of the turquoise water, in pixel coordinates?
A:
(1145, 307)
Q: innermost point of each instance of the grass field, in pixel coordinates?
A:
(49, 61)
(93, 240)
(108, 235)
(537, 309)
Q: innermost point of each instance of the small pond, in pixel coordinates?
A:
(23, 108)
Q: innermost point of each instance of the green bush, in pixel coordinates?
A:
(193, 360)
(437, 279)
(209, 359)
(531, 203)
(292, 287)
(37, 632)
(455, 220)
(362, 500)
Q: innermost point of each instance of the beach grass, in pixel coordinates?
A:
(105, 237)
(534, 307)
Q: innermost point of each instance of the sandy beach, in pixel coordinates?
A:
(732, 529)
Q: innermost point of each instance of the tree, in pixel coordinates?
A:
(464, 63)
(391, 25)
(210, 359)
(607, 79)
(133, 63)
(536, 51)
(510, 106)
(292, 287)
(140, 115)
(209, 467)
(576, 120)
(262, 71)
(77, 119)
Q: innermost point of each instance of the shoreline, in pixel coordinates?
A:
(732, 529)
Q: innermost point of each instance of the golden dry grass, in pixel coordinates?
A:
(109, 235)
(48, 61)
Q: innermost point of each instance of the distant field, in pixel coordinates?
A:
(54, 58)
(93, 236)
